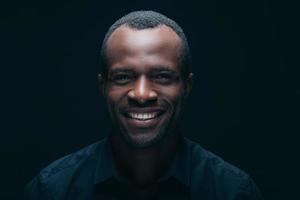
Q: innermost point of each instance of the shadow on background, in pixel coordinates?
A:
(244, 104)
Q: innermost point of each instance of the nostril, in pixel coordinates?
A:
(149, 95)
(148, 98)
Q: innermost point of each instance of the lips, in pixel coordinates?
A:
(143, 118)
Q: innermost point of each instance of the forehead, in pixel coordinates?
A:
(153, 44)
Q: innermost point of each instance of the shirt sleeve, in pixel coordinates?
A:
(249, 191)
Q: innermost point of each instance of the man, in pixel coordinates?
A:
(145, 80)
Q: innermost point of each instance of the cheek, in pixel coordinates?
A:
(112, 99)
(115, 95)
(173, 94)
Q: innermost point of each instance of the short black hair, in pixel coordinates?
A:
(143, 20)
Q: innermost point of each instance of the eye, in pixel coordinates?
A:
(164, 78)
(121, 79)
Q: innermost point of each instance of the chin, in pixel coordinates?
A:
(143, 140)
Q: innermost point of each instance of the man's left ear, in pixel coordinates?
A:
(101, 84)
(188, 85)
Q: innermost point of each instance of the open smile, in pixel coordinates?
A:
(143, 119)
(143, 116)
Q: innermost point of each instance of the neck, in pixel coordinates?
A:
(143, 166)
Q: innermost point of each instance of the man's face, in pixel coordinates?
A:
(144, 88)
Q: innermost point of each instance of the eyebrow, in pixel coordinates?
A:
(121, 70)
(127, 69)
(163, 69)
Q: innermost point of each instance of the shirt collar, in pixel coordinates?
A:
(105, 167)
(180, 168)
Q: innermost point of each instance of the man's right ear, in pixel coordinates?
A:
(101, 83)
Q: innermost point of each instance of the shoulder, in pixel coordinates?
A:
(211, 174)
(70, 161)
(210, 162)
(57, 175)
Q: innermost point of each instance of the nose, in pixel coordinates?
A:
(142, 91)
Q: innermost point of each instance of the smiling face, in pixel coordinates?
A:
(144, 88)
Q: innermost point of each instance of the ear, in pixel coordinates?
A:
(188, 85)
(101, 83)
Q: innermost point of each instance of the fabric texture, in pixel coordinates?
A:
(91, 174)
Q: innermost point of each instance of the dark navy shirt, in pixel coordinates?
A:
(91, 174)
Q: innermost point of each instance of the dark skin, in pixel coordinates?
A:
(144, 91)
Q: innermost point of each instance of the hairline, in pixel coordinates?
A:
(184, 57)
(127, 26)
(159, 26)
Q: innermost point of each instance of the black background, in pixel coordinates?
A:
(244, 104)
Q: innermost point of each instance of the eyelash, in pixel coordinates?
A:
(121, 78)
(162, 78)
(165, 76)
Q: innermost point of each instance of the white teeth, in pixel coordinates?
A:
(142, 116)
